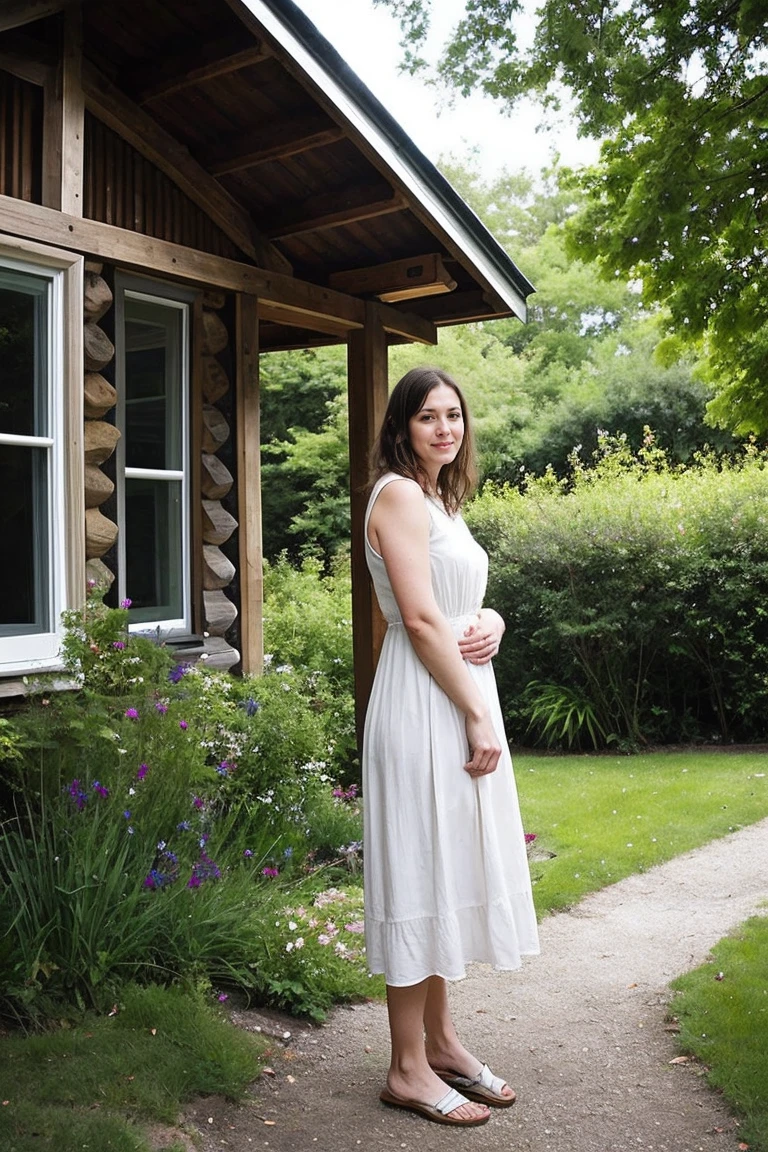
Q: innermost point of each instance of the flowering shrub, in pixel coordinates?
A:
(164, 807)
(313, 953)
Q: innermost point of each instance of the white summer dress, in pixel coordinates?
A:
(446, 870)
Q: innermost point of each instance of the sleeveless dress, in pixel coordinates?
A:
(446, 870)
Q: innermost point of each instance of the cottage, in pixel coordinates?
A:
(184, 185)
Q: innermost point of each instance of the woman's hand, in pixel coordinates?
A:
(481, 640)
(484, 746)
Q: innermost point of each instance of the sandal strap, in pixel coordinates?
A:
(489, 1081)
(450, 1102)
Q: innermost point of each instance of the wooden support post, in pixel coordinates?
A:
(368, 393)
(249, 485)
(196, 470)
(64, 123)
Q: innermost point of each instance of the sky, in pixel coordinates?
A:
(369, 40)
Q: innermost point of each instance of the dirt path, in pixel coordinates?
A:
(580, 1033)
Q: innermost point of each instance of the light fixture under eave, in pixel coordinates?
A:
(397, 280)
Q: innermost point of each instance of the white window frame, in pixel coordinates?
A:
(40, 651)
(171, 296)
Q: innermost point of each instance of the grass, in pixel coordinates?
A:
(723, 1012)
(95, 1085)
(608, 817)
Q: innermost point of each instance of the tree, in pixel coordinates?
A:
(680, 196)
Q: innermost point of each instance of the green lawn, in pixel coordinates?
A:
(607, 817)
(94, 1085)
(723, 1012)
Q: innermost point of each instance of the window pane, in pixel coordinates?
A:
(153, 549)
(24, 601)
(152, 384)
(23, 302)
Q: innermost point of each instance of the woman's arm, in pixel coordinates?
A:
(398, 528)
(481, 640)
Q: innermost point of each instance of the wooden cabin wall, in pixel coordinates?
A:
(125, 189)
(21, 138)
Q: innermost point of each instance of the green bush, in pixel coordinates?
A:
(635, 598)
(308, 627)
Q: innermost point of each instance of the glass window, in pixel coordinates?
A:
(31, 484)
(152, 349)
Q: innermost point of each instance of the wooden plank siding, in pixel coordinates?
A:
(21, 138)
(124, 189)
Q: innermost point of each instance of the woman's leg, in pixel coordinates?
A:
(410, 1076)
(443, 1048)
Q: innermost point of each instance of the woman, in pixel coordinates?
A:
(445, 864)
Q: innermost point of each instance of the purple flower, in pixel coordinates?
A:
(77, 795)
(131, 714)
(222, 998)
(126, 603)
(248, 853)
(251, 706)
(119, 644)
(91, 583)
(183, 827)
(183, 725)
(271, 873)
(204, 869)
(224, 768)
(178, 673)
(99, 789)
(143, 769)
(198, 803)
(127, 814)
(161, 708)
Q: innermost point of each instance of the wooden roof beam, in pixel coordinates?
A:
(106, 101)
(287, 138)
(16, 13)
(335, 209)
(397, 279)
(181, 76)
(311, 304)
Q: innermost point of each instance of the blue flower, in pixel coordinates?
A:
(178, 673)
(250, 706)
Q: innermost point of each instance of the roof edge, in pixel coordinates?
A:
(285, 21)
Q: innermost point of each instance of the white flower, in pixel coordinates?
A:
(299, 941)
(289, 946)
(292, 925)
(131, 791)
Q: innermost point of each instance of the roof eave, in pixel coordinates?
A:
(368, 117)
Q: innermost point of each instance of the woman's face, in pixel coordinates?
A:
(437, 430)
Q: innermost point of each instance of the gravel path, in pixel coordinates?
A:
(581, 1033)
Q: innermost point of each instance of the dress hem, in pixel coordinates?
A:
(379, 971)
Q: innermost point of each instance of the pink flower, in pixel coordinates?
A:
(161, 708)
(222, 998)
(131, 714)
(356, 926)
(183, 725)
(271, 873)
(126, 603)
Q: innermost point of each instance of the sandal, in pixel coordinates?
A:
(440, 1112)
(485, 1088)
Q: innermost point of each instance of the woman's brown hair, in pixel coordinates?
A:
(392, 451)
